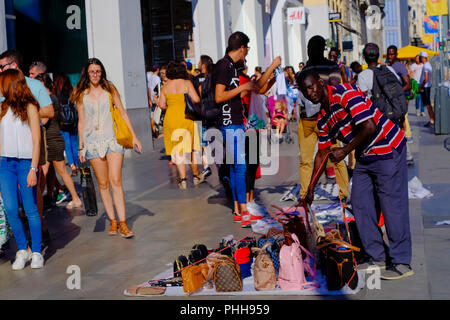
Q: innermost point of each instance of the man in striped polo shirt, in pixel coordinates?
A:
(380, 178)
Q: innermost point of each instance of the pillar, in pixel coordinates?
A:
(114, 32)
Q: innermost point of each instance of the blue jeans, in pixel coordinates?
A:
(419, 104)
(14, 173)
(71, 146)
(235, 158)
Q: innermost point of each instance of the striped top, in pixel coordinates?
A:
(349, 107)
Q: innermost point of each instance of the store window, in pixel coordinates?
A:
(167, 30)
(52, 31)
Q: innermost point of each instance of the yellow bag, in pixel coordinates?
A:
(123, 133)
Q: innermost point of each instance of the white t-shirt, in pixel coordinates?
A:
(152, 81)
(365, 80)
(417, 71)
(426, 68)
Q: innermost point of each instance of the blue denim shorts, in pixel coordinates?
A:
(95, 154)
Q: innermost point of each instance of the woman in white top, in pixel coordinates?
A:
(416, 72)
(20, 150)
(97, 139)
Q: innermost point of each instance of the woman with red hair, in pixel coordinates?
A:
(20, 149)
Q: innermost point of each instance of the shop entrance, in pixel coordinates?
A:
(167, 30)
(51, 31)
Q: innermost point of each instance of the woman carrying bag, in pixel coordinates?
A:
(102, 119)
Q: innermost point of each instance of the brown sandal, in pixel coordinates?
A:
(114, 228)
(124, 231)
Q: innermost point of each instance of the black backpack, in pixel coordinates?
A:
(388, 94)
(210, 110)
(69, 116)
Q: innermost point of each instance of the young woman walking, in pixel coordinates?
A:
(20, 149)
(55, 145)
(93, 96)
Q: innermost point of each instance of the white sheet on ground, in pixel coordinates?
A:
(416, 190)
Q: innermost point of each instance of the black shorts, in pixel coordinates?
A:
(426, 96)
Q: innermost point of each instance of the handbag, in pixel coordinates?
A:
(88, 190)
(227, 276)
(264, 274)
(193, 278)
(193, 111)
(179, 264)
(121, 130)
(340, 268)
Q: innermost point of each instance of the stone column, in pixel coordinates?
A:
(114, 32)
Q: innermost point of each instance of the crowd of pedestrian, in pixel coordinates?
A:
(339, 110)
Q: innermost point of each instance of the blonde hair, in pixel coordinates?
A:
(280, 105)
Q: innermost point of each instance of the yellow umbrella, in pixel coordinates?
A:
(410, 52)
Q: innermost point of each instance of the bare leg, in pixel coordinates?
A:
(100, 166)
(115, 164)
(60, 167)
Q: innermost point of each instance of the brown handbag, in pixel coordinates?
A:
(264, 274)
(227, 276)
(193, 278)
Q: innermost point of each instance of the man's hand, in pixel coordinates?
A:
(337, 155)
(250, 87)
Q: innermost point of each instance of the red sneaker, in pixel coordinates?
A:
(237, 217)
(246, 220)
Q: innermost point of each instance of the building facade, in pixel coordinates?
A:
(127, 35)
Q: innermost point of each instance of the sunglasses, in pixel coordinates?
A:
(5, 65)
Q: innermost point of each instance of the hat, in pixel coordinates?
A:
(371, 50)
(423, 54)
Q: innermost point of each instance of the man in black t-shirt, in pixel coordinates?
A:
(228, 98)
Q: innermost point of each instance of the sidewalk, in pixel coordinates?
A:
(168, 222)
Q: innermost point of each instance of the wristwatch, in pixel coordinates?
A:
(34, 169)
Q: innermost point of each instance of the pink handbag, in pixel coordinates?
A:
(292, 268)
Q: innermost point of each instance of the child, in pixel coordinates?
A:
(279, 117)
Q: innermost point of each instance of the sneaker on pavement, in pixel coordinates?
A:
(372, 264)
(418, 113)
(422, 114)
(237, 217)
(397, 271)
(246, 220)
(37, 261)
(62, 196)
(22, 257)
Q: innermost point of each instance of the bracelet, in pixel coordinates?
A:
(34, 169)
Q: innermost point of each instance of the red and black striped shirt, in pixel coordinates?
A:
(349, 107)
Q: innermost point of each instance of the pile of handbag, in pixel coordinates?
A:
(284, 259)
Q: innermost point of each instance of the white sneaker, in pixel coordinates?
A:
(37, 261)
(418, 113)
(22, 257)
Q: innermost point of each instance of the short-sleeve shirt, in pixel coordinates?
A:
(426, 68)
(226, 73)
(365, 80)
(152, 82)
(349, 107)
(417, 71)
(400, 69)
(39, 92)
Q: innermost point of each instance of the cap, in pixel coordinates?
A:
(423, 54)
(371, 50)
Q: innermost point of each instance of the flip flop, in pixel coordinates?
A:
(145, 291)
